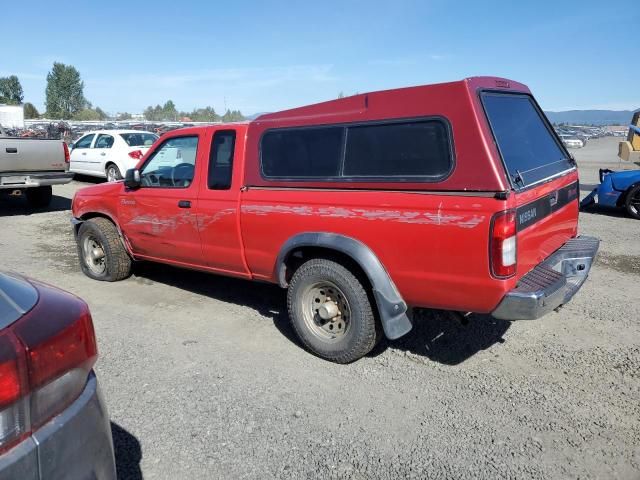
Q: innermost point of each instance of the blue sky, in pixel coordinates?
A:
(261, 56)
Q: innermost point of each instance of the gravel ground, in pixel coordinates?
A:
(204, 379)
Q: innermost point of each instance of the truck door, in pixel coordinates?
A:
(159, 219)
(218, 213)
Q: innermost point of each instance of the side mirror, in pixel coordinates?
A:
(132, 178)
(72, 146)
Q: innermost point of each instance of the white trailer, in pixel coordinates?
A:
(11, 116)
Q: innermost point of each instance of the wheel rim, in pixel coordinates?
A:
(326, 311)
(112, 176)
(634, 203)
(94, 256)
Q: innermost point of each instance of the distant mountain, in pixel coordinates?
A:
(591, 117)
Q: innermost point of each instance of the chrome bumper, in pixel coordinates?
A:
(20, 180)
(552, 283)
(75, 444)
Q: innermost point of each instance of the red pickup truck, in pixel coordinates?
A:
(455, 196)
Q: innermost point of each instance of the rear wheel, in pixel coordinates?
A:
(113, 173)
(39, 197)
(102, 255)
(331, 312)
(632, 202)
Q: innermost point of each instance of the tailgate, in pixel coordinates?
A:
(31, 155)
(546, 217)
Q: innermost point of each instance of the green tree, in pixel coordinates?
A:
(101, 113)
(123, 116)
(87, 114)
(169, 111)
(153, 114)
(11, 90)
(207, 114)
(30, 111)
(90, 113)
(65, 92)
(232, 116)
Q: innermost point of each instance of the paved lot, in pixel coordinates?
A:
(204, 379)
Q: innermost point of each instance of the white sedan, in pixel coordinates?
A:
(570, 141)
(109, 153)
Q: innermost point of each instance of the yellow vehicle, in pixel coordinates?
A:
(629, 150)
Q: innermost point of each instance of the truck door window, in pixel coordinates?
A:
(104, 141)
(221, 160)
(85, 142)
(172, 165)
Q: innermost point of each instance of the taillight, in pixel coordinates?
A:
(14, 417)
(67, 155)
(503, 248)
(45, 360)
(136, 154)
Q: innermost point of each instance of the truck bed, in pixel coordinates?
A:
(31, 155)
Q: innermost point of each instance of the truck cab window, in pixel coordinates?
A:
(221, 160)
(172, 165)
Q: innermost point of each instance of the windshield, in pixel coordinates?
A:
(139, 139)
(528, 148)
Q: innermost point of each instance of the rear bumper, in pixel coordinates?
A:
(20, 180)
(552, 283)
(75, 444)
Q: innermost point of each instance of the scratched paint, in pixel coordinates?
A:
(206, 220)
(160, 225)
(423, 218)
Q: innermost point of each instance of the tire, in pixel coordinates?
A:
(39, 197)
(101, 236)
(113, 173)
(632, 202)
(347, 336)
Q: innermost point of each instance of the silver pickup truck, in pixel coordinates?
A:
(30, 166)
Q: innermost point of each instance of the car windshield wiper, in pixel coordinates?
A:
(518, 178)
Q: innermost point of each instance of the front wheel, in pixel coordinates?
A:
(331, 312)
(632, 202)
(113, 173)
(102, 255)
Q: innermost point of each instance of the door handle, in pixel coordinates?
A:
(103, 154)
(84, 153)
(11, 150)
(184, 204)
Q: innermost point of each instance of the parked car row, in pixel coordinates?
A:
(577, 136)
